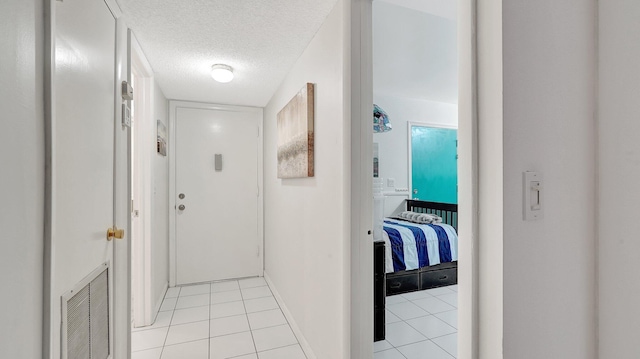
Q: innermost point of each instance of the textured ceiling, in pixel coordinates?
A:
(260, 39)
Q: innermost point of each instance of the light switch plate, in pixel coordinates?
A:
(126, 115)
(532, 196)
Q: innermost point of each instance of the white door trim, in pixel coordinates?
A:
(361, 156)
(173, 106)
(361, 107)
(143, 311)
(468, 194)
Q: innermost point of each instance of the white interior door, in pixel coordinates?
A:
(82, 151)
(217, 214)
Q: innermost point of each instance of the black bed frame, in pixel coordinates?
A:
(438, 275)
(417, 279)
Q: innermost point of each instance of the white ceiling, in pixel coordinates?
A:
(443, 8)
(415, 52)
(260, 39)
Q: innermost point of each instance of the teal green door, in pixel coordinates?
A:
(434, 164)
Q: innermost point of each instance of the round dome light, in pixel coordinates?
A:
(222, 73)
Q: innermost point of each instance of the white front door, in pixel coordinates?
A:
(83, 163)
(217, 159)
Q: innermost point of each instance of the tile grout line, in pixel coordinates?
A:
(441, 347)
(170, 320)
(248, 322)
(288, 324)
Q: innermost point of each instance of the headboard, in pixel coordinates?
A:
(448, 211)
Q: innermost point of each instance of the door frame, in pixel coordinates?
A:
(141, 271)
(173, 108)
(410, 125)
(361, 91)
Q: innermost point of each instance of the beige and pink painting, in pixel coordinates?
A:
(295, 135)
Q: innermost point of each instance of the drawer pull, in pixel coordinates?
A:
(444, 277)
(395, 285)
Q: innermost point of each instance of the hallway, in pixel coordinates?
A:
(231, 319)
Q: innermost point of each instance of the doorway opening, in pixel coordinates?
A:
(415, 95)
(394, 93)
(141, 145)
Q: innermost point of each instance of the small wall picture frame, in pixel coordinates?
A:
(162, 138)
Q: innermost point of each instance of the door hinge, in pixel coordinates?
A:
(258, 131)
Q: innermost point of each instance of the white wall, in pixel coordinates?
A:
(393, 145)
(306, 220)
(549, 71)
(22, 178)
(414, 54)
(619, 175)
(159, 205)
(414, 78)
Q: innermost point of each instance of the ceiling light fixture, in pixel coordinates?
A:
(222, 73)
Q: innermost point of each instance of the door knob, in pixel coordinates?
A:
(181, 207)
(181, 196)
(115, 233)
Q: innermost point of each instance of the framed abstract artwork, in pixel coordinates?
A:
(295, 135)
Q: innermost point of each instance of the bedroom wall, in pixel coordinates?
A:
(393, 145)
(549, 94)
(414, 77)
(619, 173)
(159, 205)
(22, 179)
(307, 220)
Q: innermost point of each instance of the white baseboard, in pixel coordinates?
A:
(159, 300)
(306, 348)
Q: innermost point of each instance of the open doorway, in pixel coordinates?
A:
(141, 145)
(364, 54)
(415, 94)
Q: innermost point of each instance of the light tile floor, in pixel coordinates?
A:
(421, 325)
(232, 319)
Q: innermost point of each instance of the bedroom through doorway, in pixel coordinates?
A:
(415, 179)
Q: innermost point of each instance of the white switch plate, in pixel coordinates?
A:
(532, 196)
(126, 115)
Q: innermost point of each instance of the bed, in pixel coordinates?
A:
(430, 264)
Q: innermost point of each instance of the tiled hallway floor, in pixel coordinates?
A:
(421, 325)
(233, 319)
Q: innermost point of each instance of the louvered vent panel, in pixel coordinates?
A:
(99, 310)
(78, 346)
(87, 318)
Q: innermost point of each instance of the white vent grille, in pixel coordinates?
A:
(86, 318)
(78, 325)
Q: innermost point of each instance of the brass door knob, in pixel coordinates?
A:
(115, 233)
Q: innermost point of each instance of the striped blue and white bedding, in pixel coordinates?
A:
(410, 245)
